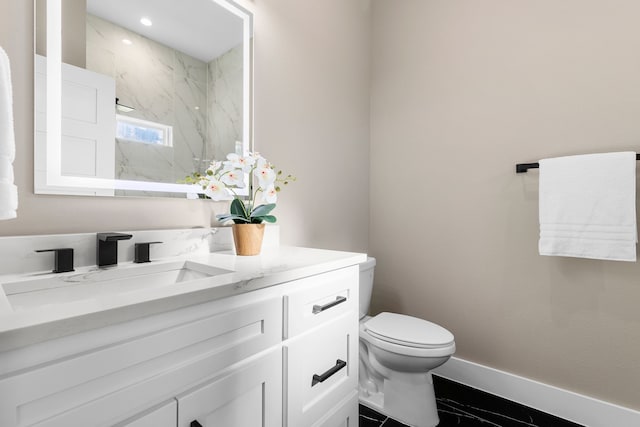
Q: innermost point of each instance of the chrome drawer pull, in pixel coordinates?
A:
(320, 308)
(322, 378)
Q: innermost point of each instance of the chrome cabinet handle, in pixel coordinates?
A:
(322, 378)
(320, 308)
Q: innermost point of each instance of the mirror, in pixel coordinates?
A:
(131, 96)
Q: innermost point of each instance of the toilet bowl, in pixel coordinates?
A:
(397, 353)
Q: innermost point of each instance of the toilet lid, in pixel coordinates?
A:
(408, 330)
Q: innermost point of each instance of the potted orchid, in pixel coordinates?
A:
(223, 178)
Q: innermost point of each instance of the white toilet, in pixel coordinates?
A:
(397, 353)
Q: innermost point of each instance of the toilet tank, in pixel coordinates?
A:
(366, 285)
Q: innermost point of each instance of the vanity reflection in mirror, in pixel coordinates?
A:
(134, 95)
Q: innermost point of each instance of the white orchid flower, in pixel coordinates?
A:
(222, 177)
(270, 195)
(216, 190)
(239, 162)
(261, 162)
(234, 178)
(266, 176)
(227, 165)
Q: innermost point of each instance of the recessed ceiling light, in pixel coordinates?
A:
(196, 107)
(127, 41)
(146, 22)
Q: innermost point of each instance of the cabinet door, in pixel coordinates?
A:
(163, 416)
(323, 370)
(345, 415)
(247, 396)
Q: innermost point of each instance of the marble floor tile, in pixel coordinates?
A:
(463, 406)
(393, 423)
(460, 405)
(370, 418)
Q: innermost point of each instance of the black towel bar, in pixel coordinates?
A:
(523, 167)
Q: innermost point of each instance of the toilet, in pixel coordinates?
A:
(397, 353)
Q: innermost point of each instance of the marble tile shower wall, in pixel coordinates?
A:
(169, 87)
(224, 121)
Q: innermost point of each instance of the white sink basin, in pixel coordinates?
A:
(95, 283)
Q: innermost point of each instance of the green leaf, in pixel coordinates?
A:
(262, 210)
(268, 218)
(226, 217)
(237, 208)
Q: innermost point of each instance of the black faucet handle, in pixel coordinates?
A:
(63, 261)
(141, 251)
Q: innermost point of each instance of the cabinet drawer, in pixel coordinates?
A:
(110, 383)
(246, 396)
(323, 369)
(320, 299)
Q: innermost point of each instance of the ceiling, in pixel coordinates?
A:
(200, 28)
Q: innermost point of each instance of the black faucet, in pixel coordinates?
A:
(107, 248)
(63, 261)
(141, 251)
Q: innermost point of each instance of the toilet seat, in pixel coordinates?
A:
(408, 331)
(440, 347)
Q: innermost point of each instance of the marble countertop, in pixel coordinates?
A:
(20, 326)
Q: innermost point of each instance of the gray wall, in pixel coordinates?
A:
(312, 116)
(462, 91)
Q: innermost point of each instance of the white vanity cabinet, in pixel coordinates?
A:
(284, 355)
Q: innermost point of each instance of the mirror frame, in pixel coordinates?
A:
(54, 177)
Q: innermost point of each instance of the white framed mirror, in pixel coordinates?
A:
(132, 96)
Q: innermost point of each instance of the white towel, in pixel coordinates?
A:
(588, 206)
(8, 190)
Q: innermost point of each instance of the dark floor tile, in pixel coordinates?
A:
(367, 422)
(460, 405)
(393, 423)
(370, 418)
(450, 419)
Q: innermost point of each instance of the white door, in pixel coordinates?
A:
(247, 396)
(88, 127)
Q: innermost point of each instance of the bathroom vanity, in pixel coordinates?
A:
(270, 340)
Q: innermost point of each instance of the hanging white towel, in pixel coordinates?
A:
(588, 206)
(8, 190)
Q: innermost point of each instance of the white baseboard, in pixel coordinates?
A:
(565, 404)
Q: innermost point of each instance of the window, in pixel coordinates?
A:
(143, 131)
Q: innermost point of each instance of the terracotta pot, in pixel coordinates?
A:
(248, 238)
